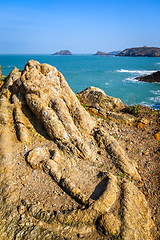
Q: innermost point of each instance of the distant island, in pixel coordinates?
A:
(154, 77)
(141, 52)
(103, 53)
(107, 54)
(63, 52)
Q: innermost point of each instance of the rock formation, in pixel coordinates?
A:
(141, 52)
(98, 103)
(63, 52)
(154, 77)
(50, 149)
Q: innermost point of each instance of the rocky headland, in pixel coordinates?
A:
(141, 52)
(63, 52)
(154, 77)
(75, 166)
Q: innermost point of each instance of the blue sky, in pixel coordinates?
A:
(85, 26)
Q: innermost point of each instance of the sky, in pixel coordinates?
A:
(86, 26)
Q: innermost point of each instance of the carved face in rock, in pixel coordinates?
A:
(76, 145)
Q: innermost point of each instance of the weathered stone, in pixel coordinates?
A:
(97, 102)
(135, 207)
(51, 184)
(95, 97)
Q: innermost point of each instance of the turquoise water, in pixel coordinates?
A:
(115, 75)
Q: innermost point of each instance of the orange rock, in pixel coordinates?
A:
(157, 136)
(140, 125)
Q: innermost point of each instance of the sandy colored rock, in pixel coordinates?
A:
(95, 97)
(97, 102)
(157, 136)
(59, 165)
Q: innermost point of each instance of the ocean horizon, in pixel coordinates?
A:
(115, 75)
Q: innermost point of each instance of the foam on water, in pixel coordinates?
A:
(131, 79)
(155, 92)
(141, 72)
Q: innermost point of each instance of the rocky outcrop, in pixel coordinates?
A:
(154, 77)
(63, 52)
(50, 149)
(98, 103)
(141, 52)
(103, 54)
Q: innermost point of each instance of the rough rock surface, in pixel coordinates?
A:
(50, 150)
(97, 102)
(154, 77)
(141, 52)
(63, 52)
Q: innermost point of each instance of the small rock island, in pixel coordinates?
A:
(63, 52)
(141, 52)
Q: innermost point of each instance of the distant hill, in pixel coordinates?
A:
(63, 52)
(141, 52)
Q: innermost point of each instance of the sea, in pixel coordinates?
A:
(115, 75)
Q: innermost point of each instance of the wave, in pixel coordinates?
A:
(131, 79)
(155, 99)
(154, 105)
(155, 92)
(141, 72)
(158, 63)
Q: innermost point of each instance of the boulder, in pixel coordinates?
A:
(97, 102)
(96, 98)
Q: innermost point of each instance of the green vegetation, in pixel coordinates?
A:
(122, 175)
(103, 167)
(114, 136)
(2, 77)
(134, 110)
(85, 106)
(154, 112)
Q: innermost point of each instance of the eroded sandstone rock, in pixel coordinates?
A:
(98, 103)
(50, 150)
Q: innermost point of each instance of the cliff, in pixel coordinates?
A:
(141, 52)
(63, 52)
(69, 172)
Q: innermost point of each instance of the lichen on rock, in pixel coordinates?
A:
(50, 151)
